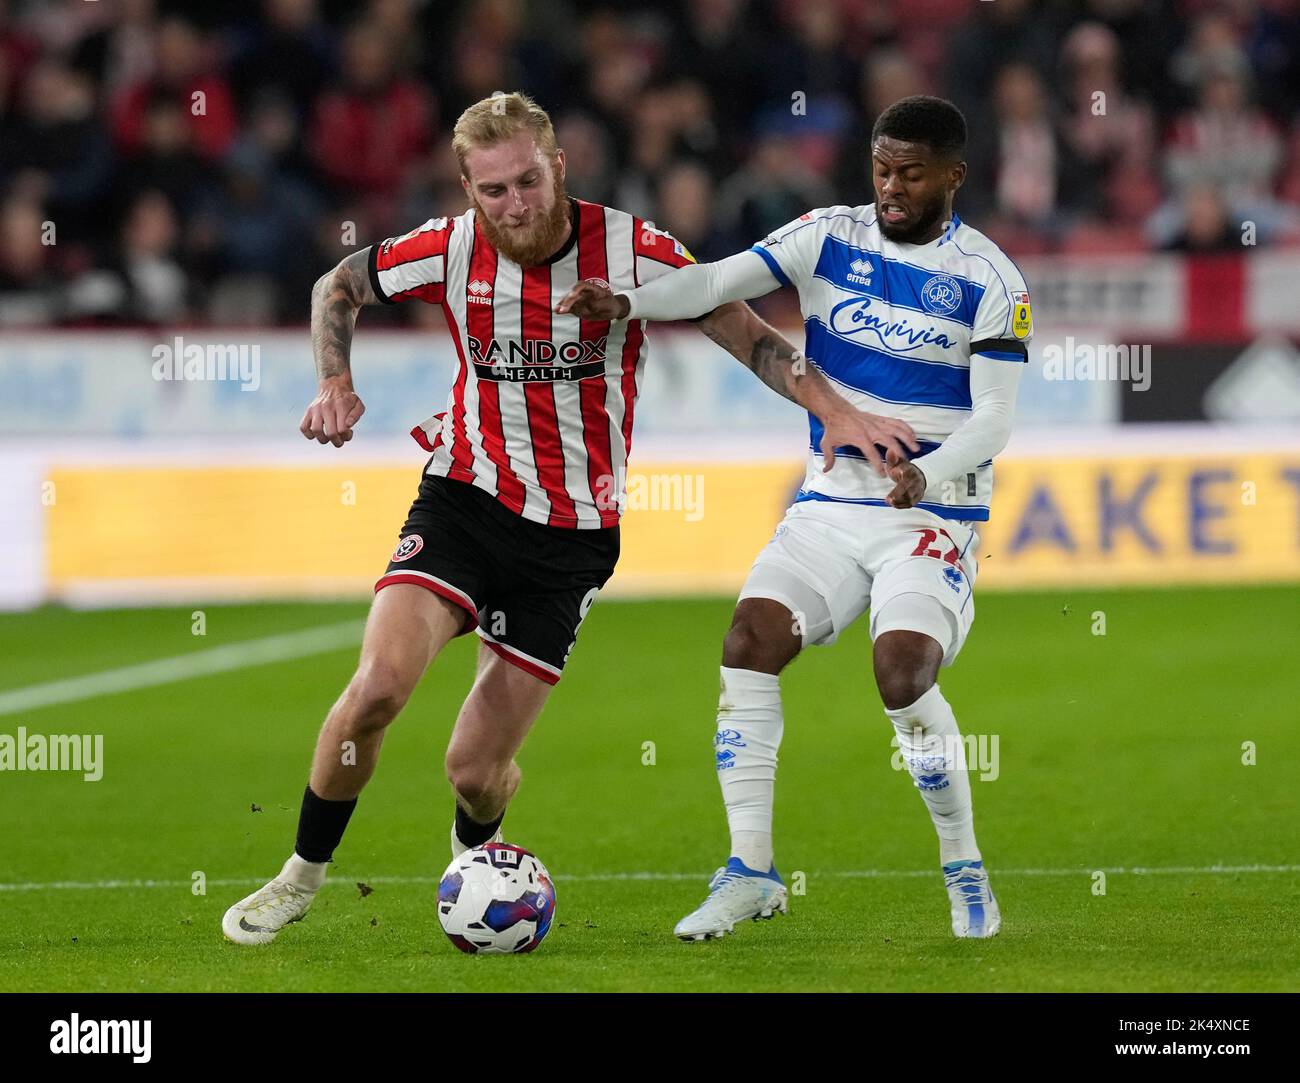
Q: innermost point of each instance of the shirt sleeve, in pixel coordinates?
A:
(412, 267)
(791, 252)
(993, 386)
(1004, 321)
(700, 288)
(657, 252)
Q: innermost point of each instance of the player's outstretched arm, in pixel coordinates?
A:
(765, 351)
(682, 294)
(335, 300)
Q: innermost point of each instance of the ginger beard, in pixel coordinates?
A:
(534, 243)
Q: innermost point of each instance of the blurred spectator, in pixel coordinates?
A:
(809, 57)
(886, 76)
(1095, 125)
(143, 281)
(1206, 226)
(588, 167)
(165, 160)
(373, 126)
(721, 43)
(57, 136)
(118, 52)
(256, 225)
(773, 188)
(273, 127)
(1146, 34)
(29, 289)
(684, 206)
(994, 35)
(183, 63)
(1272, 46)
(155, 282)
(17, 51)
(1016, 161)
(1110, 135)
(1225, 141)
(287, 53)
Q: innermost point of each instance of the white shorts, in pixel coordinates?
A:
(830, 562)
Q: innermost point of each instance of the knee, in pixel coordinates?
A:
(377, 693)
(902, 689)
(472, 780)
(759, 647)
(740, 646)
(906, 666)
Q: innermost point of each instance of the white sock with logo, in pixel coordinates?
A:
(932, 748)
(750, 726)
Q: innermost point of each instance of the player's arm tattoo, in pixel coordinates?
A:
(765, 352)
(336, 298)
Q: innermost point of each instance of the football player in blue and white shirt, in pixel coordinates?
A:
(913, 314)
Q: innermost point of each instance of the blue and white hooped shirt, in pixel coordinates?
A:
(893, 327)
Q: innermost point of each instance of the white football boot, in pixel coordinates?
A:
(736, 893)
(259, 918)
(458, 847)
(975, 912)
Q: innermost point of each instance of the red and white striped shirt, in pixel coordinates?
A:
(540, 414)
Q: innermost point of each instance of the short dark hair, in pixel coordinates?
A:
(935, 122)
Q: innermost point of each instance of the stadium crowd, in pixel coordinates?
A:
(171, 163)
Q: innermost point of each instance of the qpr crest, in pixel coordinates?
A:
(941, 295)
(408, 547)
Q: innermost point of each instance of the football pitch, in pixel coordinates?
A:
(1130, 846)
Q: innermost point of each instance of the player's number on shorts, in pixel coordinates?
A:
(928, 538)
(588, 600)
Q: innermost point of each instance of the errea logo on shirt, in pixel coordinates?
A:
(859, 272)
(479, 292)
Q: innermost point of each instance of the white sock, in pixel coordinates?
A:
(308, 875)
(749, 733)
(932, 748)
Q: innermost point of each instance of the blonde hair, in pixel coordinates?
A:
(498, 118)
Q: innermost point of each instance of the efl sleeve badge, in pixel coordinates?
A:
(1022, 319)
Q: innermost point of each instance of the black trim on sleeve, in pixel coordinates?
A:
(1000, 345)
(373, 268)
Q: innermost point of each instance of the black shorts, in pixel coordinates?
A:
(526, 586)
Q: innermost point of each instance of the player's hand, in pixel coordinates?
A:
(332, 413)
(590, 300)
(910, 481)
(857, 428)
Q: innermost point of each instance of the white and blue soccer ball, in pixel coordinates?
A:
(496, 899)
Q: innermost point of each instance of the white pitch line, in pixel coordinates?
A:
(615, 877)
(181, 667)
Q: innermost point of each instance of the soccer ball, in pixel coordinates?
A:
(496, 899)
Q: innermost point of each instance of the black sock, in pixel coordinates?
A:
(321, 824)
(472, 833)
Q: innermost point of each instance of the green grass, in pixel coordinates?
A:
(1116, 751)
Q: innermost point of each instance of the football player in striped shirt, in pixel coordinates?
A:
(909, 311)
(515, 527)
